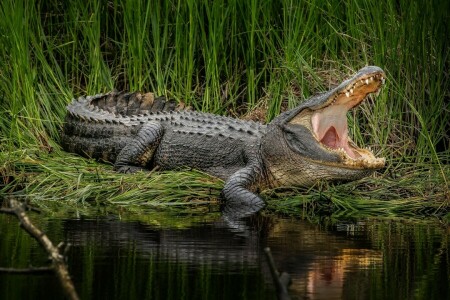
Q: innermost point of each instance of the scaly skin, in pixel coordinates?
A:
(301, 146)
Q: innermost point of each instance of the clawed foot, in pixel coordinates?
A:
(240, 209)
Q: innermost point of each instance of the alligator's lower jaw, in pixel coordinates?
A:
(365, 159)
(351, 155)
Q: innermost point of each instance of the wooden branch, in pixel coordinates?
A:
(281, 281)
(8, 211)
(34, 270)
(58, 262)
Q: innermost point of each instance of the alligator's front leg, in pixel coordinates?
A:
(240, 201)
(134, 156)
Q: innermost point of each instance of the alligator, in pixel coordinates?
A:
(299, 147)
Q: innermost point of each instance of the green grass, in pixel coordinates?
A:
(227, 58)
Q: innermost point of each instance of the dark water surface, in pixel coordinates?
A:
(113, 259)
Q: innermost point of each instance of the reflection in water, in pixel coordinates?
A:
(125, 260)
(320, 260)
(326, 277)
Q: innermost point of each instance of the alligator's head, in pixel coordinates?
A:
(311, 141)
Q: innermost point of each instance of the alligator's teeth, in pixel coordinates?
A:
(378, 92)
(351, 91)
(371, 78)
(383, 80)
(367, 81)
(347, 94)
(341, 150)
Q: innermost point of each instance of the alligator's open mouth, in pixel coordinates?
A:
(329, 123)
(328, 120)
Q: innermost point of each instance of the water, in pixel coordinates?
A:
(113, 259)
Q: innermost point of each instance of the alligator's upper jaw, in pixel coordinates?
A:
(329, 120)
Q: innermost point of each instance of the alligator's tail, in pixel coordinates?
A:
(100, 126)
(114, 105)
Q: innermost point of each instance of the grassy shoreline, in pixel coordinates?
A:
(234, 58)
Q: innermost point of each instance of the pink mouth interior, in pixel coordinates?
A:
(331, 129)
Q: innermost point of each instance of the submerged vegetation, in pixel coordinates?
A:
(248, 59)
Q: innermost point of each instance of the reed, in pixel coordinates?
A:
(227, 57)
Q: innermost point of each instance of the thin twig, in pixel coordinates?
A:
(281, 281)
(58, 262)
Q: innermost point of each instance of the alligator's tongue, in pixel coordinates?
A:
(330, 127)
